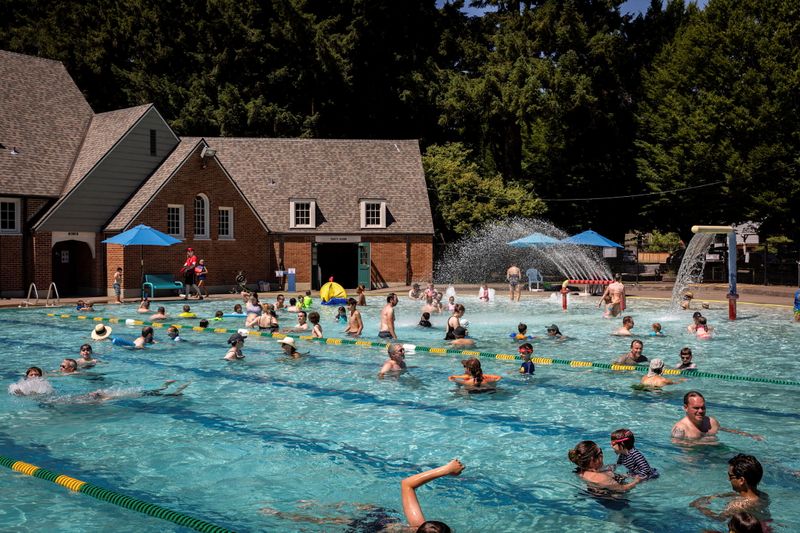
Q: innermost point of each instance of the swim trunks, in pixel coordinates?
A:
(385, 335)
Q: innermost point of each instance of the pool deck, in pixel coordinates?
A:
(782, 295)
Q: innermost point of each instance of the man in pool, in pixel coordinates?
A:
(68, 366)
(633, 357)
(744, 473)
(461, 340)
(396, 363)
(625, 329)
(386, 328)
(696, 427)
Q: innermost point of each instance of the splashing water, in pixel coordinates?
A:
(691, 269)
(485, 256)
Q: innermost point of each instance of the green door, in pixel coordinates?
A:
(364, 263)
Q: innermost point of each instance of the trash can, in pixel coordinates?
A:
(290, 283)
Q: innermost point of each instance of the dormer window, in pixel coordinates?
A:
(302, 213)
(373, 214)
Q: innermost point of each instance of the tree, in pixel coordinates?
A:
(462, 198)
(721, 109)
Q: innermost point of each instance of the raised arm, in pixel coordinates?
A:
(409, 486)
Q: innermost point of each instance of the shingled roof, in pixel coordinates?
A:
(105, 130)
(44, 115)
(335, 173)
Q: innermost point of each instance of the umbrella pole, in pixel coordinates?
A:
(141, 269)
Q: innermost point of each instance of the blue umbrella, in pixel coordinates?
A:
(591, 238)
(143, 236)
(532, 240)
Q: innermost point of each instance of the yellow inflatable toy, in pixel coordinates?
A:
(332, 290)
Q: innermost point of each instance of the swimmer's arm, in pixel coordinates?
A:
(678, 433)
(408, 487)
(702, 505)
(742, 433)
(384, 369)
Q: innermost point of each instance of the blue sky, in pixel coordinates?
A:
(631, 6)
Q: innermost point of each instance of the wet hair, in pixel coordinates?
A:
(33, 369)
(624, 435)
(583, 454)
(697, 314)
(305, 315)
(636, 341)
(692, 394)
(237, 308)
(308, 293)
(522, 328)
(236, 337)
(280, 297)
(172, 329)
(73, 364)
(352, 301)
(203, 323)
(686, 351)
(743, 522)
(473, 368)
(145, 304)
(426, 315)
(313, 317)
(341, 310)
(292, 302)
(433, 526)
(747, 467)
(702, 321)
(390, 297)
(656, 327)
(458, 308)
(218, 314)
(186, 308)
(82, 347)
(460, 332)
(627, 319)
(162, 310)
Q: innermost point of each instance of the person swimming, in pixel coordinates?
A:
(32, 384)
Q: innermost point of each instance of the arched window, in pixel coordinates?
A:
(201, 216)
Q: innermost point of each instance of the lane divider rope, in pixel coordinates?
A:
(450, 351)
(110, 496)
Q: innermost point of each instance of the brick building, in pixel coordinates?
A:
(356, 210)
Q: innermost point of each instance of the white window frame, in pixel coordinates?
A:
(363, 209)
(17, 216)
(312, 215)
(229, 235)
(206, 211)
(180, 209)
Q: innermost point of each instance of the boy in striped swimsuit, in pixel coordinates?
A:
(622, 442)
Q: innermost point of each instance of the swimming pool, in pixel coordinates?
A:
(320, 436)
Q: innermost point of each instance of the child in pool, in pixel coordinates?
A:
(341, 315)
(218, 316)
(316, 329)
(451, 303)
(425, 320)
(527, 367)
(622, 441)
(702, 331)
(588, 457)
(656, 330)
(522, 333)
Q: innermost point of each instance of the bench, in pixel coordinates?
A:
(160, 282)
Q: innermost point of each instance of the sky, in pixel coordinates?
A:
(631, 6)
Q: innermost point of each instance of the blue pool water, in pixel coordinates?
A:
(321, 437)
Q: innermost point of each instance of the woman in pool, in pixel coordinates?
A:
(588, 457)
(236, 342)
(144, 306)
(474, 376)
(453, 322)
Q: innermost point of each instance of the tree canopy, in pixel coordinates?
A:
(602, 119)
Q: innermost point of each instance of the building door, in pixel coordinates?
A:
(338, 261)
(72, 268)
(364, 265)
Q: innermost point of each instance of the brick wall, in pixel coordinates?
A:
(250, 250)
(12, 282)
(297, 255)
(390, 260)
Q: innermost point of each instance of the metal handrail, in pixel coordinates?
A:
(27, 301)
(52, 288)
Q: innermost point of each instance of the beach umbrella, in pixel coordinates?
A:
(142, 236)
(591, 238)
(532, 240)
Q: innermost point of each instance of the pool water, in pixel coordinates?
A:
(274, 444)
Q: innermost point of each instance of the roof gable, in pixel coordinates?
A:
(335, 173)
(44, 116)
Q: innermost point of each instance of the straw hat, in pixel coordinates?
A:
(287, 340)
(101, 331)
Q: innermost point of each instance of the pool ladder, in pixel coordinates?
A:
(52, 300)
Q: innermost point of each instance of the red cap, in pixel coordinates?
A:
(190, 249)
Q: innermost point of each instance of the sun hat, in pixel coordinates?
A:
(287, 340)
(655, 364)
(101, 331)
